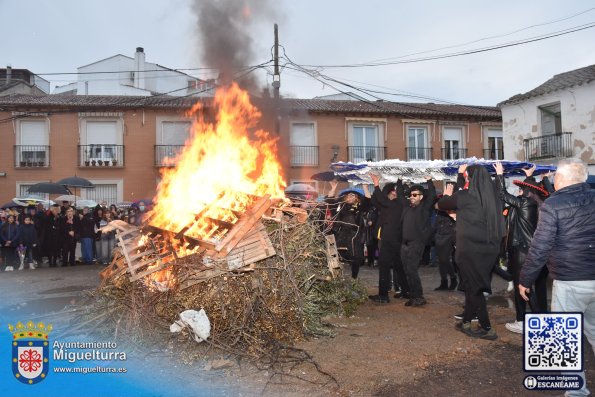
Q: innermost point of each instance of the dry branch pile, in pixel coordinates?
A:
(253, 314)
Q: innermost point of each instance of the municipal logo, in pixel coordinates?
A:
(30, 351)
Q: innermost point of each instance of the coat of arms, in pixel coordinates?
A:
(30, 351)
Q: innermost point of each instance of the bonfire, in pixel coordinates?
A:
(222, 238)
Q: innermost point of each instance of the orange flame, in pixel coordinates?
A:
(220, 169)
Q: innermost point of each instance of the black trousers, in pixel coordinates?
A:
(68, 252)
(538, 295)
(445, 253)
(389, 258)
(411, 255)
(475, 304)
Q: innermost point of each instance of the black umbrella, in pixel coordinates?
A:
(49, 187)
(10, 204)
(75, 181)
(328, 176)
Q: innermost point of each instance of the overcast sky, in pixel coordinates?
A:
(60, 35)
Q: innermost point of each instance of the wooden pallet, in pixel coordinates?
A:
(144, 258)
(255, 246)
(332, 256)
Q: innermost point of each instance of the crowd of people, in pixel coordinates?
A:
(543, 229)
(33, 235)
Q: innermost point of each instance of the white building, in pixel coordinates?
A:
(553, 121)
(123, 75)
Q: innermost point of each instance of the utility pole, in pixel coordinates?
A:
(276, 75)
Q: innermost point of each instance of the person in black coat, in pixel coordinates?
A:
(52, 239)
(480, 228)
(521, 224)
(417, 233)
(70, 228)
(444, 241)
(348, 226)
(390, 201)
(28, 239)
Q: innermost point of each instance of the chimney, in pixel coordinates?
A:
(8, 74)
(139, 68)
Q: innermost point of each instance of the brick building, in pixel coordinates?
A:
(119, 143)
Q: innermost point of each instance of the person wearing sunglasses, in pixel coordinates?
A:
(417, 233)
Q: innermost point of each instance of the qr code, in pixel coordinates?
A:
(552, 342)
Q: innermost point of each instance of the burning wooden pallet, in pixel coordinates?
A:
(241, 244)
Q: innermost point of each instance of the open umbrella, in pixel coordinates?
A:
(67, 197)
(49, 187)
(10, 204)
(328, 176)
(27, 201)
(86, 203)
(76, 181)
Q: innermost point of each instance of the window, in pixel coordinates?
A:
(171, 137)
(365, 143)
(417, 142)
(104, 190)
(495, 145)
(102, 142)
(453, 148)
(23, 191)
(302, 144)
(551, 119)
(32, 149)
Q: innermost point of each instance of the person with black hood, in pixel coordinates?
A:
(521, 224)
(390, 201)
(417, 233)
(480, 228)
(348, 225)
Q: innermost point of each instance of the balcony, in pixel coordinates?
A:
(493, 154)
(31, 156)
(303, 156)
(358, 154)
(418, 153)
(549, 146)
(101, 155)
(166, 155)
(453, 153)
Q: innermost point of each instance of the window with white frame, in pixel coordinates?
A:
(110, 191)
(366, 142)
(453, 143)
(23, 191)
(103, 142)
(551, 119)
(171, 137)
(303, 144)
(494, 149)
(417, 143)
(32, 149)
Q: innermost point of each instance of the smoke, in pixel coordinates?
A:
(227, 30)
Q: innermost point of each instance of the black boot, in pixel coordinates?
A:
(443, 286)
(453, 283)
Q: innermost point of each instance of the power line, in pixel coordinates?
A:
(491, 37)
(462, 53)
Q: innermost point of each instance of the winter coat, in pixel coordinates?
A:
(88, 227)
(565, 237)
(521, 219)
(28, 235)
(10, 232)
(391, 211)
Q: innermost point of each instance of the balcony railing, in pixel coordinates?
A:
(493, 154)
(101, 155)
(165, 155)
(303, 156)
(549, 146)
(419, 153)
(358, 154)
(31, 156)
(453, 153)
